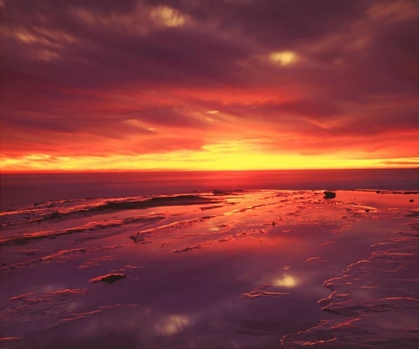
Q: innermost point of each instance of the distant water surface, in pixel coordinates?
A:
(23, 189)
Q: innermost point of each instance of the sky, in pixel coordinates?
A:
(208, 84)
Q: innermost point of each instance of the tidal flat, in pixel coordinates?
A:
(214, 269)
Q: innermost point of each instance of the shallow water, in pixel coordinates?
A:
(239, 269)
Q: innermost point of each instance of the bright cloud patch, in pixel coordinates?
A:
(168, 16)
(283, 58)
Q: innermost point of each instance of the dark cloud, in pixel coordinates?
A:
(279, 24)
(51, 8)
(99, 53)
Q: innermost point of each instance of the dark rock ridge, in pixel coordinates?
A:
(329, 195)
(109, 279)
(155, 202)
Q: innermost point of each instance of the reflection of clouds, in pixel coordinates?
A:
(261, 292)
(172, 324)
(264, 290)
(286, 281)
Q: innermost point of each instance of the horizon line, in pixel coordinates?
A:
(102, 171)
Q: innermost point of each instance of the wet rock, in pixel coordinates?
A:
(109, 278)
(187, 249)
(221, 192)
(329, 195)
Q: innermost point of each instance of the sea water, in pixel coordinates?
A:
(25, 189)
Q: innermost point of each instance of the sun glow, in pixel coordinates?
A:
(228, 156)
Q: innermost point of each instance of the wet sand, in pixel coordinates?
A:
(240, 269)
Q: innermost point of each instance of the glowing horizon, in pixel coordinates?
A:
(140, 85)
(123, 164)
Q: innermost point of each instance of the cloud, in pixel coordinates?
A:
(146, 77)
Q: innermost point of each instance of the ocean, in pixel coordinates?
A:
(24, 189)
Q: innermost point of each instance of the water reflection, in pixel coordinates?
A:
(235, 280)
(286, 281)
(172, 324)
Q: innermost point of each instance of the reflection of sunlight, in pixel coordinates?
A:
(172, 324)
(286, 281)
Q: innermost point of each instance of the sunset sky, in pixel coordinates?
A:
(208, 84)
